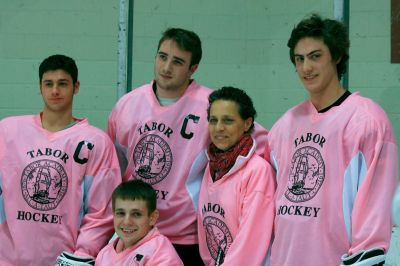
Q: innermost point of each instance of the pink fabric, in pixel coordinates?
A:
(336, 175)
(165, 146)
(236, 213)
(56, 190)
(153, 249)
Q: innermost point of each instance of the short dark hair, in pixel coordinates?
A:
(186, 40)
(239, 96)
(332, 32)
(135, 190)
(56, 62)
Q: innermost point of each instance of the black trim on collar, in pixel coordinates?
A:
(337, 102)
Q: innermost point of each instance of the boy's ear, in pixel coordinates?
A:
(154, 217)
(77, 85)
(193, 69)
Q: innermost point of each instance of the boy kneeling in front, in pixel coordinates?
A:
(139, 242)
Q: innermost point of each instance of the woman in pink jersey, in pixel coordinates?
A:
(236, 197)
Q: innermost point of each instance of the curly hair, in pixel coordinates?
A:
(332, 32)
(246, 107)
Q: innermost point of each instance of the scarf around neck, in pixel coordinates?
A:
(222, 161)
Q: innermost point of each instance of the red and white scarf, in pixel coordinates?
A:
(222, 161)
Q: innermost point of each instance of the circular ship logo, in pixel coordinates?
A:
(44, 184)
(218, 237)
(153, 159)
(307, 174)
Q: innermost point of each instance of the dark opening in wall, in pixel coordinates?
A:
(395, 31)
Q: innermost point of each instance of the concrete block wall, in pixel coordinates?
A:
(244, 45)
(370, 70)
(32, 30)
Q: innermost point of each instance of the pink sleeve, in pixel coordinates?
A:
(101, 177)
(253, 238)
(112, 133)
(371, 216)
(111, 127)
(200, 229)
(165, 254)
(260, 135)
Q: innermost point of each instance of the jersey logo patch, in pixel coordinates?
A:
(138, 257)
(306, 176)
(218, 237)
(152, 158)
(44, 183)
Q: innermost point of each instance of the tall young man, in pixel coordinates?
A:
(57, 174)
(336, 161)
(160, 131)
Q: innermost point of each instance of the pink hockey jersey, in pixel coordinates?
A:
(55, 190)
(164, 146)
(153, 250)
(336, 176)
(236, 213)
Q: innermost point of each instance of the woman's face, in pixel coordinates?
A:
(225, 125)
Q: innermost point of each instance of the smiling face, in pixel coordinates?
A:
(225, 125)
(58, 89)
(315, 67)
(172, 69)
(132, 221)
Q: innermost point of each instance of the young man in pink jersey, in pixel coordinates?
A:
(57, 174)
(336, 161)
(160, 131)
(134, 205)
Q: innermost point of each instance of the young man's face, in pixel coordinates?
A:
(58, 89)
(315, 66)
(225, 125)
(172, 68)
(132, 221)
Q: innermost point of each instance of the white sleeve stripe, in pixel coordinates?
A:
(396, 207)
(274, 164)
(193, 181)
(2, 210)
(85, 187)
(353, 178)
(122, 153)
